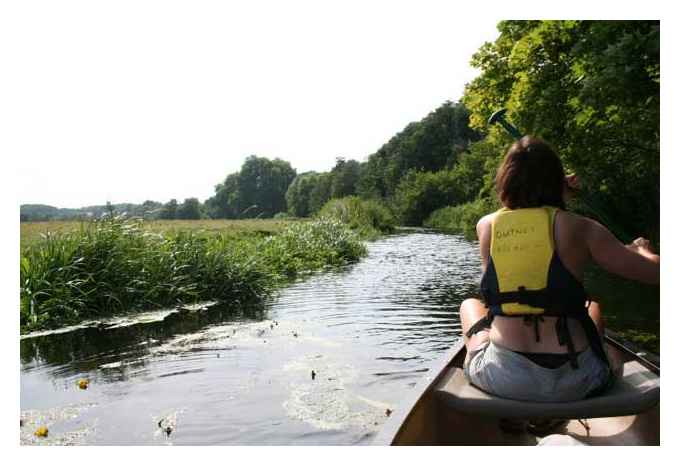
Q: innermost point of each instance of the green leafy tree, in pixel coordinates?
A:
(591, 89)
(149, 209)
(419, 193)
(257, 190)
(169, 211)
(475, 170)
(262, 185)
(431, 144)
(190, 209)
(299, 194)
(226, 203)
(345, 175)
(320, 192)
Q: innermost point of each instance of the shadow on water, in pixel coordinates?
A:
(85, 349)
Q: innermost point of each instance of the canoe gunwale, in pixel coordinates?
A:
(648, 360)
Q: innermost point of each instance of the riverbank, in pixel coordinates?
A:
(116, 266)
(76, 271)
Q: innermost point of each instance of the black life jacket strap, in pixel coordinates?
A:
(535, 320)
(592, 335)
(534, 298)
(564, 338)
(481, 325)
(553, 303)
(594, 338)
(562, 330)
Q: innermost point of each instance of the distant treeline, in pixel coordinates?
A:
(42, 212)
(190, 209)
(264, 188)
(589, 88)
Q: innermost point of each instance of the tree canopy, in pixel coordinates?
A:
(190, 209)
(257, 190)
(589, 88)
(430, 144)
(299, 194)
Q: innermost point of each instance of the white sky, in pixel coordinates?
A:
(128, 100)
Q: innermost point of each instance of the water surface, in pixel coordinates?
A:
(224, 376)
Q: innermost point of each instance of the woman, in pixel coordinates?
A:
(536, 337)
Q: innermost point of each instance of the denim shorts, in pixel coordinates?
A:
(504, 373)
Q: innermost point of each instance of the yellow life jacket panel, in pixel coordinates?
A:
(522, 249)
(525, 275)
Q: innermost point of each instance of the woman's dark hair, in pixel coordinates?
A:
(531, 175)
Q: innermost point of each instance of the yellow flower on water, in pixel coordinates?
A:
(41, 431)
(82, 384)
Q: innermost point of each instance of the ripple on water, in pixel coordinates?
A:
(368, 330)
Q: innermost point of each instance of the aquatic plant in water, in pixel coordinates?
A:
(312, 245)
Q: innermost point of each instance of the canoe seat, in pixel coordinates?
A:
(635, 391)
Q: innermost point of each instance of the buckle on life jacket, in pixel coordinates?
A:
(523, 297)
(541, 299)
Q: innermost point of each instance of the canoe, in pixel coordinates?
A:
(444, 409)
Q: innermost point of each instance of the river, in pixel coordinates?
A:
(323, 362)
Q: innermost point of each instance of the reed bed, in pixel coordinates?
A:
(32, 232)
(113, 266)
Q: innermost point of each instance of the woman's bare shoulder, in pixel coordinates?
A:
(485, 221)
(576, 221)
(484, 224)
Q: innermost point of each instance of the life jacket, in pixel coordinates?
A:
(526, 278)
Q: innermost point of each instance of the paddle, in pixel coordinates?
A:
(588, 201)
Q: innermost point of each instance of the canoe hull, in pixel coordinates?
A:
(423, 419)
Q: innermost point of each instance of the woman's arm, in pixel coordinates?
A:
(635, 261)
(484, 237)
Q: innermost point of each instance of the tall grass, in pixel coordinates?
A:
(368, 217)
(313, 245)
(32, 232)
(114, 265)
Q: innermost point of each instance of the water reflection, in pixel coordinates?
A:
(242, 376)
(104, 346)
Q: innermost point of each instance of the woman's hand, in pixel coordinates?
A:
(571, 185)
(641, 246)
(572, 182)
